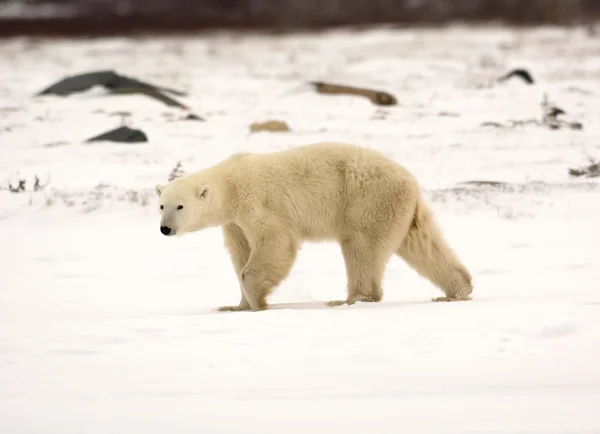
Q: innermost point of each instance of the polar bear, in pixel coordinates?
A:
(268, 204)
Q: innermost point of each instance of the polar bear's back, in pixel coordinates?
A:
(318, 189)
(328, 168)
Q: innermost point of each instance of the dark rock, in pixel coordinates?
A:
(193, 117)
(108, 79)
(121, 134)
(376, 96)
(519, 72)
(555, 112)
(576, 126)
(492, 124)
(114, 83)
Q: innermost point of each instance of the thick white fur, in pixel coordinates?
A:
(268, 204)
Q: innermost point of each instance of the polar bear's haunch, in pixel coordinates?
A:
(268, 204)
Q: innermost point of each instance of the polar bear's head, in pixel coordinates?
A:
(185, 207)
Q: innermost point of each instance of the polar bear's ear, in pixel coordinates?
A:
(203, 191)
(159, 189)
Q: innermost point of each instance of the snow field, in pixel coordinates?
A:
(107, 326)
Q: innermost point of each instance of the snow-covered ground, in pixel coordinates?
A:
(106, 326)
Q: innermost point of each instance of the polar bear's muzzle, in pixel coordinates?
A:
(166, 230)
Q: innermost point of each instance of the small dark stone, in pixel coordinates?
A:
(193, 117)
(555, 111)
(121, 134)
(576, 126)
(449, 114)
(492, 124)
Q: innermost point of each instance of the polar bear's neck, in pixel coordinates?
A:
(222, 191)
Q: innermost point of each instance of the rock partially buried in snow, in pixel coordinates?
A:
(193, 117)
(122, 134)
(523, 74)
(377, 97)
(170, 117)
(115, 84)
(273, 126)
(108, 79)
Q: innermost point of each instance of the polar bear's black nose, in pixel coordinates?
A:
(165, 230)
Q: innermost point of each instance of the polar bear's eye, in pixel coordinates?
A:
(162, 207)
(180, 207)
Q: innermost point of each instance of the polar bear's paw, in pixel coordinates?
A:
(446, 298)
(354, 299)
(336, 303)
(237, 308)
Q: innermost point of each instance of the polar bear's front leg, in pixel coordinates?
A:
(239, 250)
(270, 262)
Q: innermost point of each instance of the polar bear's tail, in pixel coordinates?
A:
(425, 249)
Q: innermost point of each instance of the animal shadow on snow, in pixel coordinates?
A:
(314, 305)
